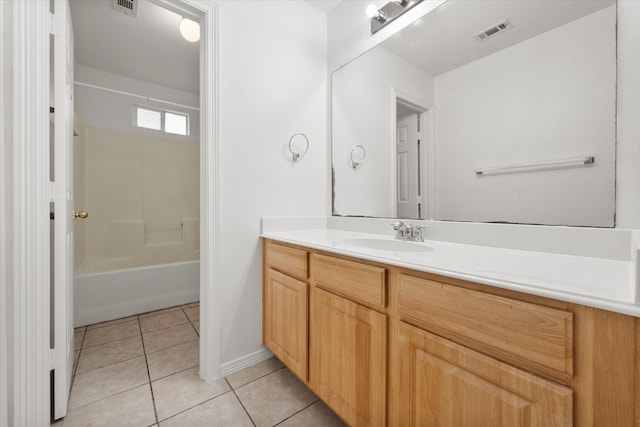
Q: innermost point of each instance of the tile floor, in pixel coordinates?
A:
(143, 371)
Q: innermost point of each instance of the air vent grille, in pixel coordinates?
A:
(128, 7)
(493, 30)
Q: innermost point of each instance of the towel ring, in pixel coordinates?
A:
(355, 163)
(295, 154)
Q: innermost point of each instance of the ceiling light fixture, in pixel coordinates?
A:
(190, 30)
(387, 13)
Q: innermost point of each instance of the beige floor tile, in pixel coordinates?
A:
(165, 338)
(99, 383)
(163, 321)
(112, 322)
(111, 333)
(316, 415)
(222, 411)
(171, 360)
(110, 353)
(275, 397)
(179, 392)
(246, 375)
(193, 313)
(162, 311)
(78, 336)
(196, 325)
(132, 408)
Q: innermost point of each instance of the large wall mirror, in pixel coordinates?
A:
(483, 111)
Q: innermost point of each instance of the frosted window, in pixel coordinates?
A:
(175, 123)
(149, 119)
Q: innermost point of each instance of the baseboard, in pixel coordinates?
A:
(245, 361)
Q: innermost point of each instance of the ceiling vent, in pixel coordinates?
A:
(128, 7)
(493, 30)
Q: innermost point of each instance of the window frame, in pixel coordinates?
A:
(163, 112)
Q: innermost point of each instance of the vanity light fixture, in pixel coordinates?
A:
(389, 12)
(374, 13)
(190, 30)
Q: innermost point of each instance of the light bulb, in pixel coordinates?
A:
(373, 12)
(190, 30)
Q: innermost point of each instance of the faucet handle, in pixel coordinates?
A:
(417, 232)
(398, 225)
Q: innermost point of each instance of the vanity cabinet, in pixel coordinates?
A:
(444, 384)
(388, 346)
(348, 339)
(285, 306)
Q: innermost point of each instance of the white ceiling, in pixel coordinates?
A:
(148, 47)
(444, 38)
(325, 5)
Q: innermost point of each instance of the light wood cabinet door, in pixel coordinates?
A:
(347, 359)
(448, 385)
(285, 316)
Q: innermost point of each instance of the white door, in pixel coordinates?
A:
(62, 191)
(408, 170)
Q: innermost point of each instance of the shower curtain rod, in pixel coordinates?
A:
(135, 95)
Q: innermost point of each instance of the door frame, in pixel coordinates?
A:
(27, 206)
(426, 126)
(210, 306)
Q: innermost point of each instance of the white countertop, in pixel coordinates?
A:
(597, 282)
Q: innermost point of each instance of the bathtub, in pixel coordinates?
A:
(110, 295)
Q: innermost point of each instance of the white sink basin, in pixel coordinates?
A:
(390, 245)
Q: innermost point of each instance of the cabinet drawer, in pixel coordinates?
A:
(360, 282)
(529, 335)
(286, 259)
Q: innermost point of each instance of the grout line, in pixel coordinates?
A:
(257, 378)
(174, 373)
(105, 366)
(171, 346)
(109, 342)
(75, 367)
(240, 401)
(146, 362)
(297, 412)
(195, 406)
(105, 397)
(111, 322)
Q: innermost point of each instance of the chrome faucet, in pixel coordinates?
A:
(411, 232)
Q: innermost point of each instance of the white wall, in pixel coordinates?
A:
(628, 135)
(273, 80)
(142, 193)
(364, 108)
(531, 102)
(349, 37)
(108, 110)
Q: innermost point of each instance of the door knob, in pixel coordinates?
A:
(81, 214)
